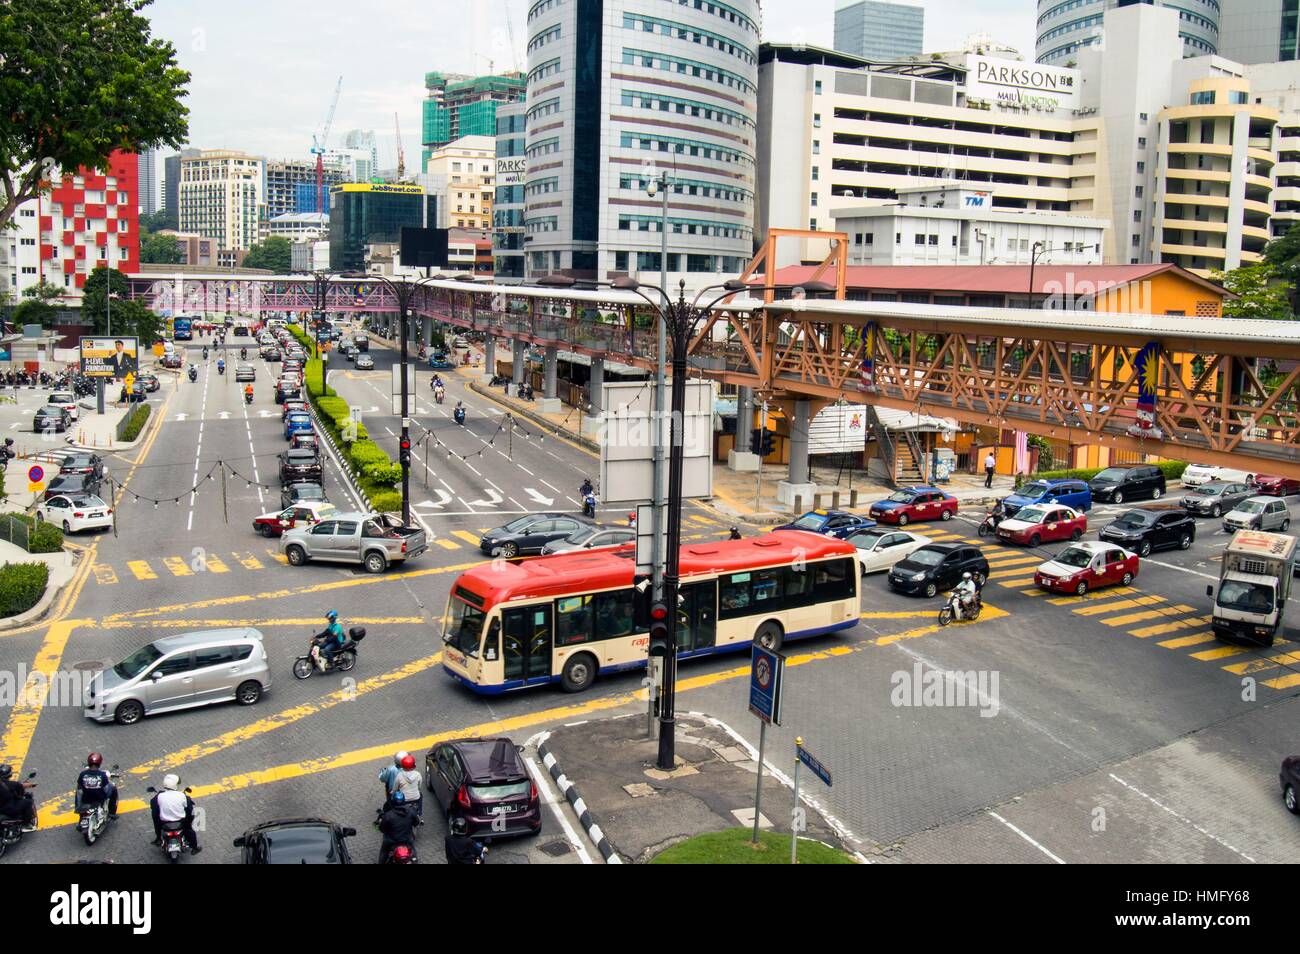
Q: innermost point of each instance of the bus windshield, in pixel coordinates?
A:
(464, 627)
(1246, 597)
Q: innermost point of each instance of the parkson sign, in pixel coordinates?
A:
(1024, 84)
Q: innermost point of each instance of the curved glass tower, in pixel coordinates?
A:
(1064, 26)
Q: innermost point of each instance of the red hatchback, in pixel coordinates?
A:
(1081, 567)
(914, 503)
(1273, 486)
(1043, 523)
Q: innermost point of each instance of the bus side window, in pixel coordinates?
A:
(767, 585)
(833, 580)
(735, 594)
(614, 614)
(573, 620)
(798, 586)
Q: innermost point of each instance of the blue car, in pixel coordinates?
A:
(1063, 490)
(439, 361)
(297, 424)
(832, 523)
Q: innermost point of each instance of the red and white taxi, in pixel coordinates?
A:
(1043, 523)
(305, 513)
(1081, 567)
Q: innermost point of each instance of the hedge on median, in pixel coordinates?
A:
(1172, 469)
(135, 423)
(36, 536)
(387, 501)
(21, 587)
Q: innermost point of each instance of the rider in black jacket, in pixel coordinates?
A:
(397, 826)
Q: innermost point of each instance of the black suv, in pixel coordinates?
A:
(299, 465)
(296, 841)
(938, 566)
(1143, 530)
(82, 462)
(1118, 484)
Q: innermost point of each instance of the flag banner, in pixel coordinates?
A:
(1146, 372)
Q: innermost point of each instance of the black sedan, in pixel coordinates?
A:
(1290, 778)
(296, 841)
(1145, 529)
(51, 418)
(291, 494)
(485, 782)
(1215, 498)
(299, 466)
(938, 566)
(82, 462)
(530, 533)
(73, 485)
(832, 523)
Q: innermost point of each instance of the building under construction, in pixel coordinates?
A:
(456, 106)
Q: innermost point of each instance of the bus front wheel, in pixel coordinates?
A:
(579, 672)
(769, 636)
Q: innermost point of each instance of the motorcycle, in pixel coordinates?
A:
(13, 829)
(243, 354)
(395, 855)
(953, 611)
(194, 374)
(221, 367)
(248, 397)
(498, 380)
(439, 394)
(989, 524)
(589, 505)
(94, 818)
(458, 416)
(205, 354)
(342, 661)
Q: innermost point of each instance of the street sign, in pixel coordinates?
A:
(397, 388)
(35, 486)
(129, 380)
(645, 535)
(821, 771)
(36, 473)
(766, 672)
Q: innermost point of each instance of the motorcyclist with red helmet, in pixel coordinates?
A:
(408, 781)
(94, 785)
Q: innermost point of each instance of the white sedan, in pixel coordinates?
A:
(76, 512)
(1197, 474)
(881, 547)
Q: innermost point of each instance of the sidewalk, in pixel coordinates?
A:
(62, 569)
(605, 768)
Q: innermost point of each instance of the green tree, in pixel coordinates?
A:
(93, 302)
(34, 311)
(157, 221)
(43, 291)
(276, 253)
(1261, 293)
(79, 79)
(160, 249)
(130, 317)
(1283, 254)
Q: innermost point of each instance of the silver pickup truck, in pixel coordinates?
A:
(371, 539)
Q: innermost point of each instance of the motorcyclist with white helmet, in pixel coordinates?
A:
(172, 805)
(966, 592)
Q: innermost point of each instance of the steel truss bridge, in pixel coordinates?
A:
(1226, 391)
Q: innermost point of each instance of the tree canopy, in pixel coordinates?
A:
(158, 249)
(79, 79)
(1261, 293)
(276, 253)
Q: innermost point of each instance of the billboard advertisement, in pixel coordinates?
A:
(1022, 84)
(109, 357)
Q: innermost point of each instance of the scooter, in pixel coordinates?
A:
(194, 374)
(989, 524)
(439, 394)
(953, 611)
(243, 354)
(205, 354)
(13, 829)
(248, 397)
(342, 661)
(94, 818)
(458, 416)
(221, 367)
(589, 505)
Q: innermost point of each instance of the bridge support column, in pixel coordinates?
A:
(550, 402)
(426, 331)
(739, 458)
(518, 350)
(489, 358)
(596, 389)
(798, 484)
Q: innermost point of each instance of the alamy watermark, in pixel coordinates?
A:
(948, 689)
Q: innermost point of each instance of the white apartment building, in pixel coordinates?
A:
(463, 176)
(221, 197)
(299, 226)
(20, 252)
(953, 224)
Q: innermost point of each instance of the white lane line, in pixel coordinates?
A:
(1182, 818)
(1174, 566)
(1026, 837)
(525, 470)
(552, 486)
(514, 501)
(544, 785)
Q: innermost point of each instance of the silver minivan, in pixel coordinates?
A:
(1258, 513)
(181, 672)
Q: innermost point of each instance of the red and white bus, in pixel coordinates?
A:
(564, 618)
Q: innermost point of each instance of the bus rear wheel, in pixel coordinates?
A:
(769, 636)
(579, 672)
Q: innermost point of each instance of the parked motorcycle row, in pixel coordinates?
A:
(67, 380)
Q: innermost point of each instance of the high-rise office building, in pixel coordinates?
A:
(879, 30)
(221, 197)
(1064, 28)
(172, 182)
(150, 181)
(457, 106)
(291, 185)
(463, 175)
(508, 204)
(623, 94)
(367, 213)
(1259, 31)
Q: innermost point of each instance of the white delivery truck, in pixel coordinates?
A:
(1254, 585)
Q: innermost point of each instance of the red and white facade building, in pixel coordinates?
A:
(85, 220)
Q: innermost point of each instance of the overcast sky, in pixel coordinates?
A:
(264, 70)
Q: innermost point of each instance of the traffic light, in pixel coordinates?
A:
(661, 639)
(404, 452)
(755, 440)
(766, 447)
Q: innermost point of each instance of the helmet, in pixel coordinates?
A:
(398, 798)
(408, 762)
(402, 853)
(459, 825)
(332, 615)
(398, 756)
(6, 771)
(965, 576)
(94, 760)
(171, 782)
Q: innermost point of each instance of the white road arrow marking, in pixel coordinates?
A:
(538, 498)
(179, 417)
(265, 413)
(496, 499)
(224, 415)
(444, 498)
(373, 409)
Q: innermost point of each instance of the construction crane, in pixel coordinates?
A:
(401, 154)
(318, 148)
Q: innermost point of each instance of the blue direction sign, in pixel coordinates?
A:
(821, 771)
(766, 672)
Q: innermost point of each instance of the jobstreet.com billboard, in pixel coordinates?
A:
(109, 357)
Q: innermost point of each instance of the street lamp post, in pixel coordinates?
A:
(1040, 248)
